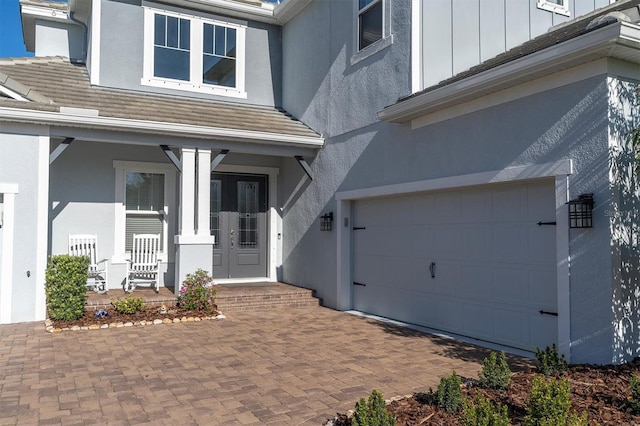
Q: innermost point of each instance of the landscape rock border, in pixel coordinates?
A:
(51, 328)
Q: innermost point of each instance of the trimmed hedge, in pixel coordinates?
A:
(65, 286)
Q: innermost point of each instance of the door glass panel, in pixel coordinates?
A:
(248, 203)
(216, 208)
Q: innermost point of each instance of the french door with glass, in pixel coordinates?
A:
(239, 224)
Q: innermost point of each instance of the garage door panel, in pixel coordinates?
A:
(448, 207)
(541, 244)
(446, 241)
(510, 242)
(478, 320)
(510, 285)
(509, 204)
(542, 288)
(447, 278)
(422, 237)
(477, 281)
(474, 240)
(511, 327)
(477, 207)
(423, 210)
(401, 213)
(495, 268)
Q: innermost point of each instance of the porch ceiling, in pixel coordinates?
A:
(57, 93)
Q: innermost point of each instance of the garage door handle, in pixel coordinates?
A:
(432, 269)
(555, 314)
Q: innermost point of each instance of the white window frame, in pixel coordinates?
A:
(195, 83)
(169, 172)
(560, 9)
(377, 46)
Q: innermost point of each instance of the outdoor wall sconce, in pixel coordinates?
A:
(325, 221)
(581, 212)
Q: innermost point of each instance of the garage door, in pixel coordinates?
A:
(474, 262)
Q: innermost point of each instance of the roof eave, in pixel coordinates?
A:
(598, 43)
(29, 13)
(17, 115)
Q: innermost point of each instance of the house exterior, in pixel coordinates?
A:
(408, 159)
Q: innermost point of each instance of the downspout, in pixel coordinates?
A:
(82, 60)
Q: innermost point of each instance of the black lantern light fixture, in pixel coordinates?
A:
(581, 212)
(326, 221)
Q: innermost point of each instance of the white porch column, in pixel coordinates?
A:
(204, 192)
(194, 250)
(188, 192)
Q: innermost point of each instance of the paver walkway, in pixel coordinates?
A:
(283, 367)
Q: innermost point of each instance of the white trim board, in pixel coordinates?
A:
(563, 167)
(8, 190)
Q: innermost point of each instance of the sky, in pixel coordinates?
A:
(11, 43)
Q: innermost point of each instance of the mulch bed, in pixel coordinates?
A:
(149, 314)
(601, 391)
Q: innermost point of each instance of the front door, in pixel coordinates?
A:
(239, 224)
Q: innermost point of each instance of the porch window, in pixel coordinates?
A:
(144, 206)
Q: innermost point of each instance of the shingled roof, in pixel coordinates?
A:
(52, 83)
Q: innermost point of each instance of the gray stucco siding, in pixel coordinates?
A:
(570, 122)
(122, 53)
(323, 87)
(19, 165)
(82, 196)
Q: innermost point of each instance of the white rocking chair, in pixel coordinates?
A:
(87, 245)
(144, 264)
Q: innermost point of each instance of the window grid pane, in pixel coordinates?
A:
(171, 47)
(248, 214)
(218, 57)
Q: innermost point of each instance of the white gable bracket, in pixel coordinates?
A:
(305, 166)
(59, 149)
(216, 161)
(172, 157)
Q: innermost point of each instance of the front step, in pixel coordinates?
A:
(246, 297)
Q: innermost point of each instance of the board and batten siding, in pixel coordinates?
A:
(458, 34)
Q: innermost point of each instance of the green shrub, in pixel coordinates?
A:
(372, 412)
(449, 394)
(633, 400)
(197, 293)
(549, 362)
(66, 286)
(549, 404)
(483, 413)
(129, 305)
(495, 373)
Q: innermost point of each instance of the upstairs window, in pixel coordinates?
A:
(369, 22)
(557, 6)
(219, 56)
(192, 53)
(171, 47)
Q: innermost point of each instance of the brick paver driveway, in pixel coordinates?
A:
(285, 367)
